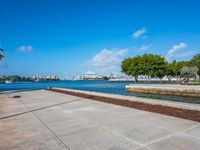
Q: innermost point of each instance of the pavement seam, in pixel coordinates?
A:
(29, 111)
(118, 134)
(160, 139)
(197, 125)
(184, 132)
(50, 130)
(166, 128)
(46, 126)
(166, 137)
(142, 147)
(197, 138)
(103, 127)
(158, 126)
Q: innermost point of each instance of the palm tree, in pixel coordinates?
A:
(1, 54)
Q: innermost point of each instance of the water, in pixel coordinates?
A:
(88, 85)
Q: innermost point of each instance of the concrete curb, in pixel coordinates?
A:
(177, 109)
(169, 89)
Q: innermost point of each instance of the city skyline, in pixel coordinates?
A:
(74, 37)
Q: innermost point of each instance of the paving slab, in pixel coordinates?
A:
(119, 123)
(43, 98)
(195, 132)
(22, 102)
(143, 148)
(64, 121)
(177, 142)
(26, 132)
(10, 107)
(79, 133)
(96, 112)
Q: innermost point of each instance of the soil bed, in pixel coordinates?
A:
(166, 110)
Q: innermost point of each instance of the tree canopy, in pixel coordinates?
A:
(147, 64)
(188, 72)
(179, 65)
(154, 65)
(157, 66)
(196, 62)
(132, 66)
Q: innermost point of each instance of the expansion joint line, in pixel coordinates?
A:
(47, 126)
(29, 111)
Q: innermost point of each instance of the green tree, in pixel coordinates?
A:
(179, 65)
(154, 65)
(171, 70)
(188, 72)
(196, 62)
(148, 64)
(132, 66)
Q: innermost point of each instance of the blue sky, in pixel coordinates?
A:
(66, 37)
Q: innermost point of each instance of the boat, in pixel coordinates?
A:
(8, 81)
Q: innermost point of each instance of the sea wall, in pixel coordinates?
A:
(176, 109)
(167, 89)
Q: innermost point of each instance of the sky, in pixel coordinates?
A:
(68, 37)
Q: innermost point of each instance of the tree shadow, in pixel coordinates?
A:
(16, 96)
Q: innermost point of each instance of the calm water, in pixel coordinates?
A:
(97, 86)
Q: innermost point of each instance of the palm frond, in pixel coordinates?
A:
(1, 56)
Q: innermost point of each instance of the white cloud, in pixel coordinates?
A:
(187, 54)
(121, 52)
(139, 33)
(144, 47)
(107, 59)
(25, 48)
(175, 48)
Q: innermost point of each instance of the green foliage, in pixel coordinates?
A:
(179, 65)
(189, 72)
(147, 64)
(154, 65)
(196, 62)
(132, 66)
(171, 69)
(126, 66)
(174, 68)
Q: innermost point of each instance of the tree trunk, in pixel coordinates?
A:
(169, 78)
(149, 79)
(136, 78)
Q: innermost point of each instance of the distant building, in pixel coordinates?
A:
(92, 76)
(37, 78)
(52, 77)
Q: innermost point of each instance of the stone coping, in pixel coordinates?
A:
(167, 89)
(168, 85)
(176, 109)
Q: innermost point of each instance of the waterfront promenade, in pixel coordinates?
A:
(48, 120)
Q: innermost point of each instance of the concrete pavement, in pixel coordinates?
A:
(47, 120)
